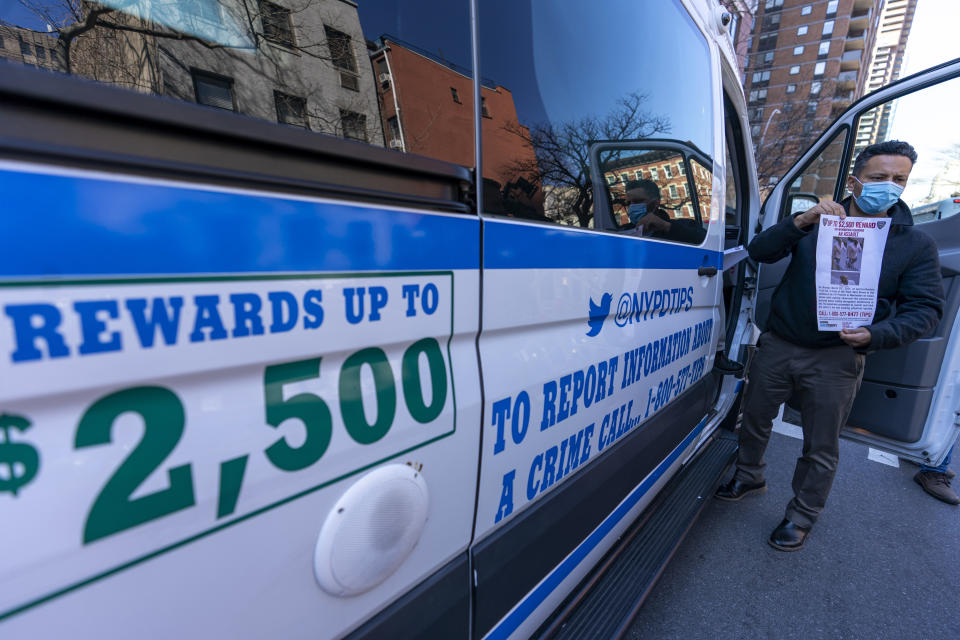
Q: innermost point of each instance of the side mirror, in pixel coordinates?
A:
(667, 172)
(799, 202)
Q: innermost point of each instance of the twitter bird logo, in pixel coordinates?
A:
(598, 313)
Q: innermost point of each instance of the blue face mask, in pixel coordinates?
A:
(876, 197)
(636, 211)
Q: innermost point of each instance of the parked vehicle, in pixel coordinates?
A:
(937, 210)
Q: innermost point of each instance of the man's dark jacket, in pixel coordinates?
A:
(909, 282)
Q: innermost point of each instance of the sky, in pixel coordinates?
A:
(928, 119)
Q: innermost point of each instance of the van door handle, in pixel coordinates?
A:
(707, 271)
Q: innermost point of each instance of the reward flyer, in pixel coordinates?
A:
(849, 253)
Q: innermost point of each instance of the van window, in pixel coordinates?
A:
(553, 75)
(373, 71)
(923, 118)
(818, 181)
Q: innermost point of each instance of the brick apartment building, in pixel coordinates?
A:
(808, 62)
(427, 108)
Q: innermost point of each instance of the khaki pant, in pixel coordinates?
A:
(826, 381)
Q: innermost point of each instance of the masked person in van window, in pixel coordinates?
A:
(648, 219)
(824, 368)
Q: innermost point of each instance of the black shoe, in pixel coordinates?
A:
(788, 536)
(937, 484)
(726, 366)
(738, 489)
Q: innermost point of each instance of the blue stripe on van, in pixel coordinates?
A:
(511, 245)
(56, 225)
(512, 621)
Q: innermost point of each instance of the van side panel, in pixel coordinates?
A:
(195, 375)
(588, 339)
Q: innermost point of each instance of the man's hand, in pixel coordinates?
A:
(857, 338)
(654, 222)
(812, 215)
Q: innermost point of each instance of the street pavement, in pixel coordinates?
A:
(882, 562)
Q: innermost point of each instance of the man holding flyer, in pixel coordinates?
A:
(852, 263)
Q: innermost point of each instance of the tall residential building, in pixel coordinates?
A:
(426, 104)
(886, 58)
(807, 64)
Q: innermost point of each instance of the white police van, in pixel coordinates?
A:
(388, 351)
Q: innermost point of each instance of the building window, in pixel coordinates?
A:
(819, 68)
(791, 88)
(341, 53)
(768, 56)
(802, 31)
(772, 22)
(767, 42)
(812, 108)
(653, 174)
(354, 125)
(828, 27)
(639, 174)
(772, 5)
(276, 23)
(832, 7)
(795, 70)
(41, 53)
(340, 50)
(483, 108)
(25, 48)
(214, 91)
(673, 191)
(291, 110)
(666, 171)
(761, 77)
(824, 49)
(611, 179)
(393, 128)
(680, 169)
(456, 96)
(798, 51)
(806, 10)
(815, 88)
(755, 130)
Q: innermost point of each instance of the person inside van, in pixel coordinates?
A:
(649, 220)
(824, 368)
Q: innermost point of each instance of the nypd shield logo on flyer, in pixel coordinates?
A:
(849, 253)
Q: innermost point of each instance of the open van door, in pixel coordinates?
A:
(908, 403)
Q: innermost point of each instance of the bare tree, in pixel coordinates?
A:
(786, 135)
(562, 165)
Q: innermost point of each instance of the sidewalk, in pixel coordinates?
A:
(882, 562)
